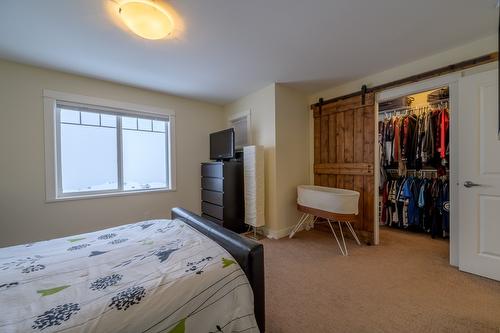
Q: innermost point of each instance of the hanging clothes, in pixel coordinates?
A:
(444, 124)
(396, 148)
(389, 137)
(381, 151)
(411, 150)
(428, 144)
(444, 206)
(420, 204)
(417, 139)
(436, 225)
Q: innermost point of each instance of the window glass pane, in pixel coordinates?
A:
(70, 116)
(90, 118)
(129, 123)
(145, 124)
(144, 160)
(159, 126)
(88, 158)
(108, 120)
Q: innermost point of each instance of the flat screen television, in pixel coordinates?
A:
(222, 145)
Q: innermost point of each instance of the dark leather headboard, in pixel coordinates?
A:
(248, 253)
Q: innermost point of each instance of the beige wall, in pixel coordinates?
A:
(24, 214)
(261, 105)
(292, 167)
(279, 123)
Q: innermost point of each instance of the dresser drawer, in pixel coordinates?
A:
(212, 197)
(211, 184)
(213, 219)
(212, 210)
(212, 170)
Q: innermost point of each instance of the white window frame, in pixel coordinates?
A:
(244, 114)
(52, 182)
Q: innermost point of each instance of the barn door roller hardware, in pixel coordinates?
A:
(363, 93)
(320, 104)
(491, 57)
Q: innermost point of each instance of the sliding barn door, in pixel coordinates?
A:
(344, 152)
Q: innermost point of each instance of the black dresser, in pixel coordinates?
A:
(222, 194)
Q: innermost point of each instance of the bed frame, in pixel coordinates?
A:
(248, 253)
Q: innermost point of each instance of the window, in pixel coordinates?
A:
(242, 133)
(101, 150)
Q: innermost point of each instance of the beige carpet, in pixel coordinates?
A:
(403, 285)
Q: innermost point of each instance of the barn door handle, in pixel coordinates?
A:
(468, 184)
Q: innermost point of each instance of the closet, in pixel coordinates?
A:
(414, 160)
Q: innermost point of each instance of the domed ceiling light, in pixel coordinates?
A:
(146, 19)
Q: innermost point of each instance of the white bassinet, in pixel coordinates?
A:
(330, 199)
(332, 204)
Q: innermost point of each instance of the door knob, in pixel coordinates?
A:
(468, 183)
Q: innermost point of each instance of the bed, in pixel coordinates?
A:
(186, 274)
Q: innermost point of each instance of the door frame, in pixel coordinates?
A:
(451, 81)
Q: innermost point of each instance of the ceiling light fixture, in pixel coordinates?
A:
(146, 19)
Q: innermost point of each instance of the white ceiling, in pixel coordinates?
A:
(230, 48)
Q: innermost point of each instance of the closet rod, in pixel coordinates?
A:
(414, 106)
(423, 169)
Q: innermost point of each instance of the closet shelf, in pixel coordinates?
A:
(410, 107)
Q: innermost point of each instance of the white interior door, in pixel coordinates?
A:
(479, 175)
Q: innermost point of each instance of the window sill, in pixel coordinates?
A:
(107, 195)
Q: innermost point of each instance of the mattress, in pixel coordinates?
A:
(152, 276)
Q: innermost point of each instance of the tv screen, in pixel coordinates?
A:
(222, 145)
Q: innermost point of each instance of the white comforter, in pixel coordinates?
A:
(152, 276)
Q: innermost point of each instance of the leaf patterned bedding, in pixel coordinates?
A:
(152, 276)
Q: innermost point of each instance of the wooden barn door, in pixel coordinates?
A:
(344, 152)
